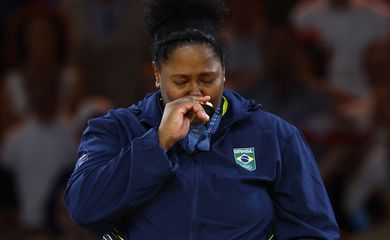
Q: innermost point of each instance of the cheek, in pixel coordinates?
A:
(215, 93)
(170, 93)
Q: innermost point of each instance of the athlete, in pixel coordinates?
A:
(165, 169)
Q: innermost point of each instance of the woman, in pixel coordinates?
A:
(164, 169)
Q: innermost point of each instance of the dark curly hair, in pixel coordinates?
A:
(173, 23)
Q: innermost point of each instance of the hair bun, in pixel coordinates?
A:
(171, 15)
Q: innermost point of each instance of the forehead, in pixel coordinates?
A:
(191, 57)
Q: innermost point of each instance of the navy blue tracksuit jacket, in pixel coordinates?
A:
(258, 181)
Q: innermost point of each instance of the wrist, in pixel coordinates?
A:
(165, 142)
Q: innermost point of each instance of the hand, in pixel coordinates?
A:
(177, 117)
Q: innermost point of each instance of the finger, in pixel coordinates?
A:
(191, 108)
(199, 112)
(193, 99)
(194, 111)
(201, 98)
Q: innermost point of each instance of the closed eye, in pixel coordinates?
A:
(180, 83)
(208, 78)
(207, 81)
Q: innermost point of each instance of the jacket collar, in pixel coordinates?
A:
(239, 108)
(150, 111)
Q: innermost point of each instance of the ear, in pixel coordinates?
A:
(223, 72)
(157, 74)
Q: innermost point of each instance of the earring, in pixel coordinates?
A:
(224, 79)
(157, 84)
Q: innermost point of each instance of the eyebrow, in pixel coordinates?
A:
(206, 73)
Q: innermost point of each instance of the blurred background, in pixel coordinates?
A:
(323, 65)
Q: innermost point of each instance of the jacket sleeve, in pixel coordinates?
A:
(303, 209)
(115, 174)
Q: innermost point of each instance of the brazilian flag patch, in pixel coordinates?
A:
(245, 157)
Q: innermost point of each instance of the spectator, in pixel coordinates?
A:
(347, 29)
(110, 47)
(373, 173)
(244, 33)
(43, 144)
(284, 89)
(38, 42)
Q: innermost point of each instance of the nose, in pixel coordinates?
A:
(195, 89)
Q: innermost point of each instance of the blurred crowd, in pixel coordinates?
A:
(323, 65)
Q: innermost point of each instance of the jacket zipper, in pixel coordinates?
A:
(195, 198)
